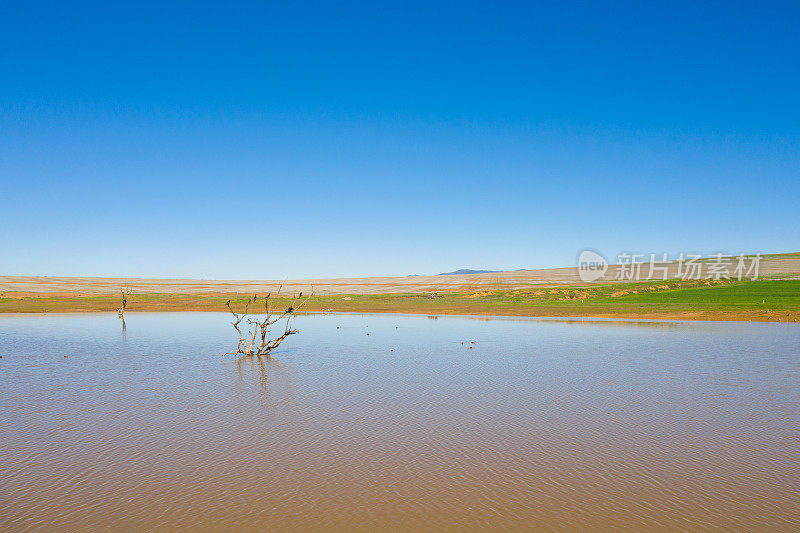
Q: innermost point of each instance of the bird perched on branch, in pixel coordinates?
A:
(289, 310)
(228, 303)
(254, 297)
(301, 294)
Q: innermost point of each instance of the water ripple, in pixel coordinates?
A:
(543, 424)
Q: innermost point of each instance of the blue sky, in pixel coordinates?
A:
(271, 140)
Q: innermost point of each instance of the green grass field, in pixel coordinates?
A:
(724, 300)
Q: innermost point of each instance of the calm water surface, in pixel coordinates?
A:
(543, 424)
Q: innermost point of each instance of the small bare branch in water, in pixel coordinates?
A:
(121, 311)
(256, 341)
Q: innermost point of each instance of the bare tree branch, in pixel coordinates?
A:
(121, 310)
(125, 293)
(261, 326)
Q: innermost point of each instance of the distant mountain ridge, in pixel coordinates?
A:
(467, 271)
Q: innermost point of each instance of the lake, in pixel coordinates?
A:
(365, 422)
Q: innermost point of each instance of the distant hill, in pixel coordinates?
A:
(467, 271)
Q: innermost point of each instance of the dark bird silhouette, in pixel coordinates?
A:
(254, 297)
(289, 310)
(228, 303)
(301, 295)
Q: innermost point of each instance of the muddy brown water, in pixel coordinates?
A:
(543, 424)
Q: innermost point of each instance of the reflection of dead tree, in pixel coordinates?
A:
(266, 366)
(256, 341)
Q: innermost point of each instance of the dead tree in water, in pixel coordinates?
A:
(256, 341)
(121, 311)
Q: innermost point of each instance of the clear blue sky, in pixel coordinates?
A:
(270, 140)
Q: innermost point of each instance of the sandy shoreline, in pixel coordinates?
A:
(399, 304)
